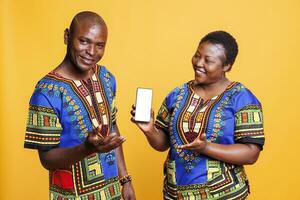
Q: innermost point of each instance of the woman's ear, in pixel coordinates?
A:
(66, 36)
(226, 68)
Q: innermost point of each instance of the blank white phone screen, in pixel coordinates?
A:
(143, 104)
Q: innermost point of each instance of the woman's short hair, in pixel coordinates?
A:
(227, 41)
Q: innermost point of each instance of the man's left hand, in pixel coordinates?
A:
(128, 191)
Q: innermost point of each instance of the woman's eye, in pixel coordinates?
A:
(209, 61)
(196, 56)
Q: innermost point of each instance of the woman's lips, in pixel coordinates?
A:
(200, 71)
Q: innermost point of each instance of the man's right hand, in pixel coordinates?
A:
(95, 142)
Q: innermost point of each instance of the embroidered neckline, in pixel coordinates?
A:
(53, 73)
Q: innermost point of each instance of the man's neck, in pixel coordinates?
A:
(67, 70)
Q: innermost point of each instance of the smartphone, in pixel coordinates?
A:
(143, 104)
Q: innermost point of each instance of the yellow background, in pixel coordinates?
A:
(150, 44)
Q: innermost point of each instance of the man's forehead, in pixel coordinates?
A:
(87, 20)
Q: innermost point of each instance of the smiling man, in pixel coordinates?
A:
(72, 120)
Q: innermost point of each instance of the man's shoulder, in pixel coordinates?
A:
(104, 73)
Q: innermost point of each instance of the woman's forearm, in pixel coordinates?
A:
(238, 154)
(157, 139)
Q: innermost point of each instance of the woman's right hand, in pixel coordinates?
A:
(155, 136)
(146, 127)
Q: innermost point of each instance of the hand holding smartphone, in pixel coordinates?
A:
(143, 105)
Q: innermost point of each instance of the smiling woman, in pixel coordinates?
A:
(213, 126)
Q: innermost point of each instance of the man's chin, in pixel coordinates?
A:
(85, 67)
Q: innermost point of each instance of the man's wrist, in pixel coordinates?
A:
(125, 179)
(88, 148)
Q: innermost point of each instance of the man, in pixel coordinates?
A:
(72, 120)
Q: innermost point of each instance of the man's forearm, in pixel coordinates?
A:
(63, 158)
(120, 157)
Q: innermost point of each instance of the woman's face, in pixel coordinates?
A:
(208, 63)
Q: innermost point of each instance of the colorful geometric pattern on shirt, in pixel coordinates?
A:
(193, 117)
(43, 127)
(225, 182)
(89, 174)
(106, 80)
(163, 117)
(192, 122)
(249, 123)
(189, 158)
(170, 188)
(69, 104)
(93, 97)
(109, 191)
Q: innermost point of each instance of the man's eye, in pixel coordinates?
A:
(83, 41)
(100, 46)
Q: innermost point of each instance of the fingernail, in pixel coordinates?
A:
(113, 134)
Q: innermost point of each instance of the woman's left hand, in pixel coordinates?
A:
(128, 192)
(198, 145)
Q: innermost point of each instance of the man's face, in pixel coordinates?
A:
(86, 45)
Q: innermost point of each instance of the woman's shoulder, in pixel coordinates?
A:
(178, 89)
(175, 94)
(242, 96)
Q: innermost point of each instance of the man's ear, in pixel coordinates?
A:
(227, 68)
(66, 36)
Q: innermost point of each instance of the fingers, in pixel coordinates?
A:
(133, 106)
(132, 112)
(186, 146)
(198, 144)
(110, 142)
(132, 120)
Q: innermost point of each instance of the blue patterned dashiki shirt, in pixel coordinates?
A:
(61, 114)
(235, 116)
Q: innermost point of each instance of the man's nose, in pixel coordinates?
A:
(91, 50)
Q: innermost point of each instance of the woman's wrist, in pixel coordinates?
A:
(151, 131)
(204, 149)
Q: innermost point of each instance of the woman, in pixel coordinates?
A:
(213, 126)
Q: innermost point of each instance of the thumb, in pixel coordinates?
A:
(203, 136)
(152, 115)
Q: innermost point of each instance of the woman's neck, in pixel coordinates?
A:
(207, 91)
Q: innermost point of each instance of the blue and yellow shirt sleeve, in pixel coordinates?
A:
(248, 119)
(43, 128)
(163, 117)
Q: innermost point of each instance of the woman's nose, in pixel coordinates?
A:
(200, 63)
